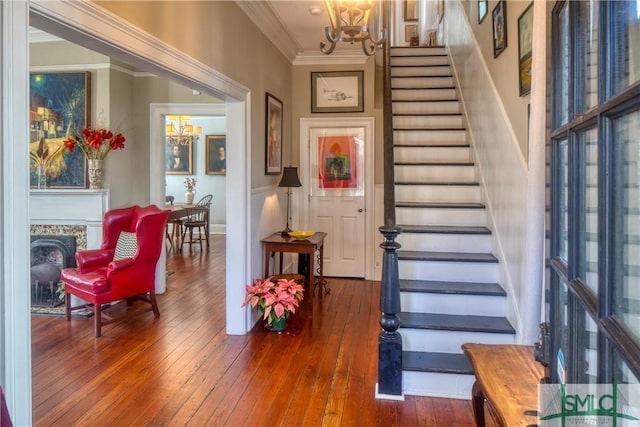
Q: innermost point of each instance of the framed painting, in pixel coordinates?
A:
(337, 92)
(337, 154)
(499, 28)
(216, 154)
(273, 132)
(410, 10)
(410, 31)
(59, 105)
(483, 6)
(525, 26)
(179, 157)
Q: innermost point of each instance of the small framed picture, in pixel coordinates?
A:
(499, 28)
(179, 158)
(273, 132)
(410, 10)
(410, 31)
(525, 26)
(337, 92)
(482, 9)
(216, 154)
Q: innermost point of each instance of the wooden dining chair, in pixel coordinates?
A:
(174, 227)
(197, 218)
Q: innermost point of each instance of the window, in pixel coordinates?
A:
(595, 192)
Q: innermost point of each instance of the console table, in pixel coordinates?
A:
(279, 243)
(507, 377)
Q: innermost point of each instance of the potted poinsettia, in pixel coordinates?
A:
(277, 299)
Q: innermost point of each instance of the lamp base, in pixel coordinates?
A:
(285, 232)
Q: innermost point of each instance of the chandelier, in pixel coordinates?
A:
(178, 130)
(350, 22)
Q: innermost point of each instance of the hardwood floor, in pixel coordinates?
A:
(182, 369)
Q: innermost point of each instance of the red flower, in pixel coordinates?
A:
(95, 144)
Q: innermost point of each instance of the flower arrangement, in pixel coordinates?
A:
(190, 184)
(274, 299)
(95, 144)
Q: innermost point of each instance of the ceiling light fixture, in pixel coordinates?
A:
(182, 134)
(352, 21)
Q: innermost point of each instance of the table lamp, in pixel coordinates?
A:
(289, 179)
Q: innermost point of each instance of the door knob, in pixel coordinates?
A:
(360, 210)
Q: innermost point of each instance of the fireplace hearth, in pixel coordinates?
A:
(49, 255)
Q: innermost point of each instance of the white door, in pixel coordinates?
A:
(334, 176)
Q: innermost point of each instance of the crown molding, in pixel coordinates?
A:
(263, 16)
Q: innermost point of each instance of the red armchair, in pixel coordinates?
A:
(101, 279)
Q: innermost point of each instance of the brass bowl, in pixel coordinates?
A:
(301, 234)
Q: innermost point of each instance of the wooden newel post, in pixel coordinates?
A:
(389, 339)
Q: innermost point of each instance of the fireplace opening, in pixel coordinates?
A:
(49, 255)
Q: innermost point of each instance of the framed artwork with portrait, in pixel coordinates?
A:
(273, 132)
(179, 158)
(499, 28)
(216, 154)
(59, 105)
(482, 9)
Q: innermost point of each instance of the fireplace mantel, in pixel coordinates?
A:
(70, 207)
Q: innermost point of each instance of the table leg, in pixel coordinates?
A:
(267, 253)
(477, 403)
(322, 283)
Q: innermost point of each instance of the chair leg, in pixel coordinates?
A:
(154, 304)
(67, 305)
(98, 319)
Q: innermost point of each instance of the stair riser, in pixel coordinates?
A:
(423, 94)
(421, 82)
(420, 71)
(448, 271)
(475, 305)
(436, 107)
(428, 122)
(441, 216)
(438, 193)
(435, 384)
(431, 340)
(436, 242)
(432, 154)
(426, 137)
(419, 51)
(434, 173)
(420, 61)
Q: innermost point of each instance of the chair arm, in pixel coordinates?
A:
(119, 265)
(92, 258)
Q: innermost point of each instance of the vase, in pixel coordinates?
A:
(278, 324)
(95, 173)
(188, 197)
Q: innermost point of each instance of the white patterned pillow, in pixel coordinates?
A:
(126, 247)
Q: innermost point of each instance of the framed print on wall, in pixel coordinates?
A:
(482, 9)
(525, 26)
(273, 132)
(59, 104)
(499, 28)
(410, 10)
(337, 92)
(216, 154)
(179, 158)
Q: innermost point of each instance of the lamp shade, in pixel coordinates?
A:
(290, 178)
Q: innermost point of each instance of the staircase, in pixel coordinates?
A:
(448, 274)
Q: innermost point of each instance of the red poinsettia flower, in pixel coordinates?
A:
(95, 143)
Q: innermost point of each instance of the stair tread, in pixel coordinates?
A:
(470, 184)
(441, 163)
(452, 363)
(439, 287)
(423, 88)
(457, 129)
(445, 205)
(454, 99)
(445, 229)
(432, 145)
(456, 322)
(446, 256)
(425, 114)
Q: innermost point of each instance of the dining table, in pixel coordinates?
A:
(181, 211)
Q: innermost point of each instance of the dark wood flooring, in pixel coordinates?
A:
(182, 369)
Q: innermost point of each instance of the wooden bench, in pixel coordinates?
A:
(507, 378)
